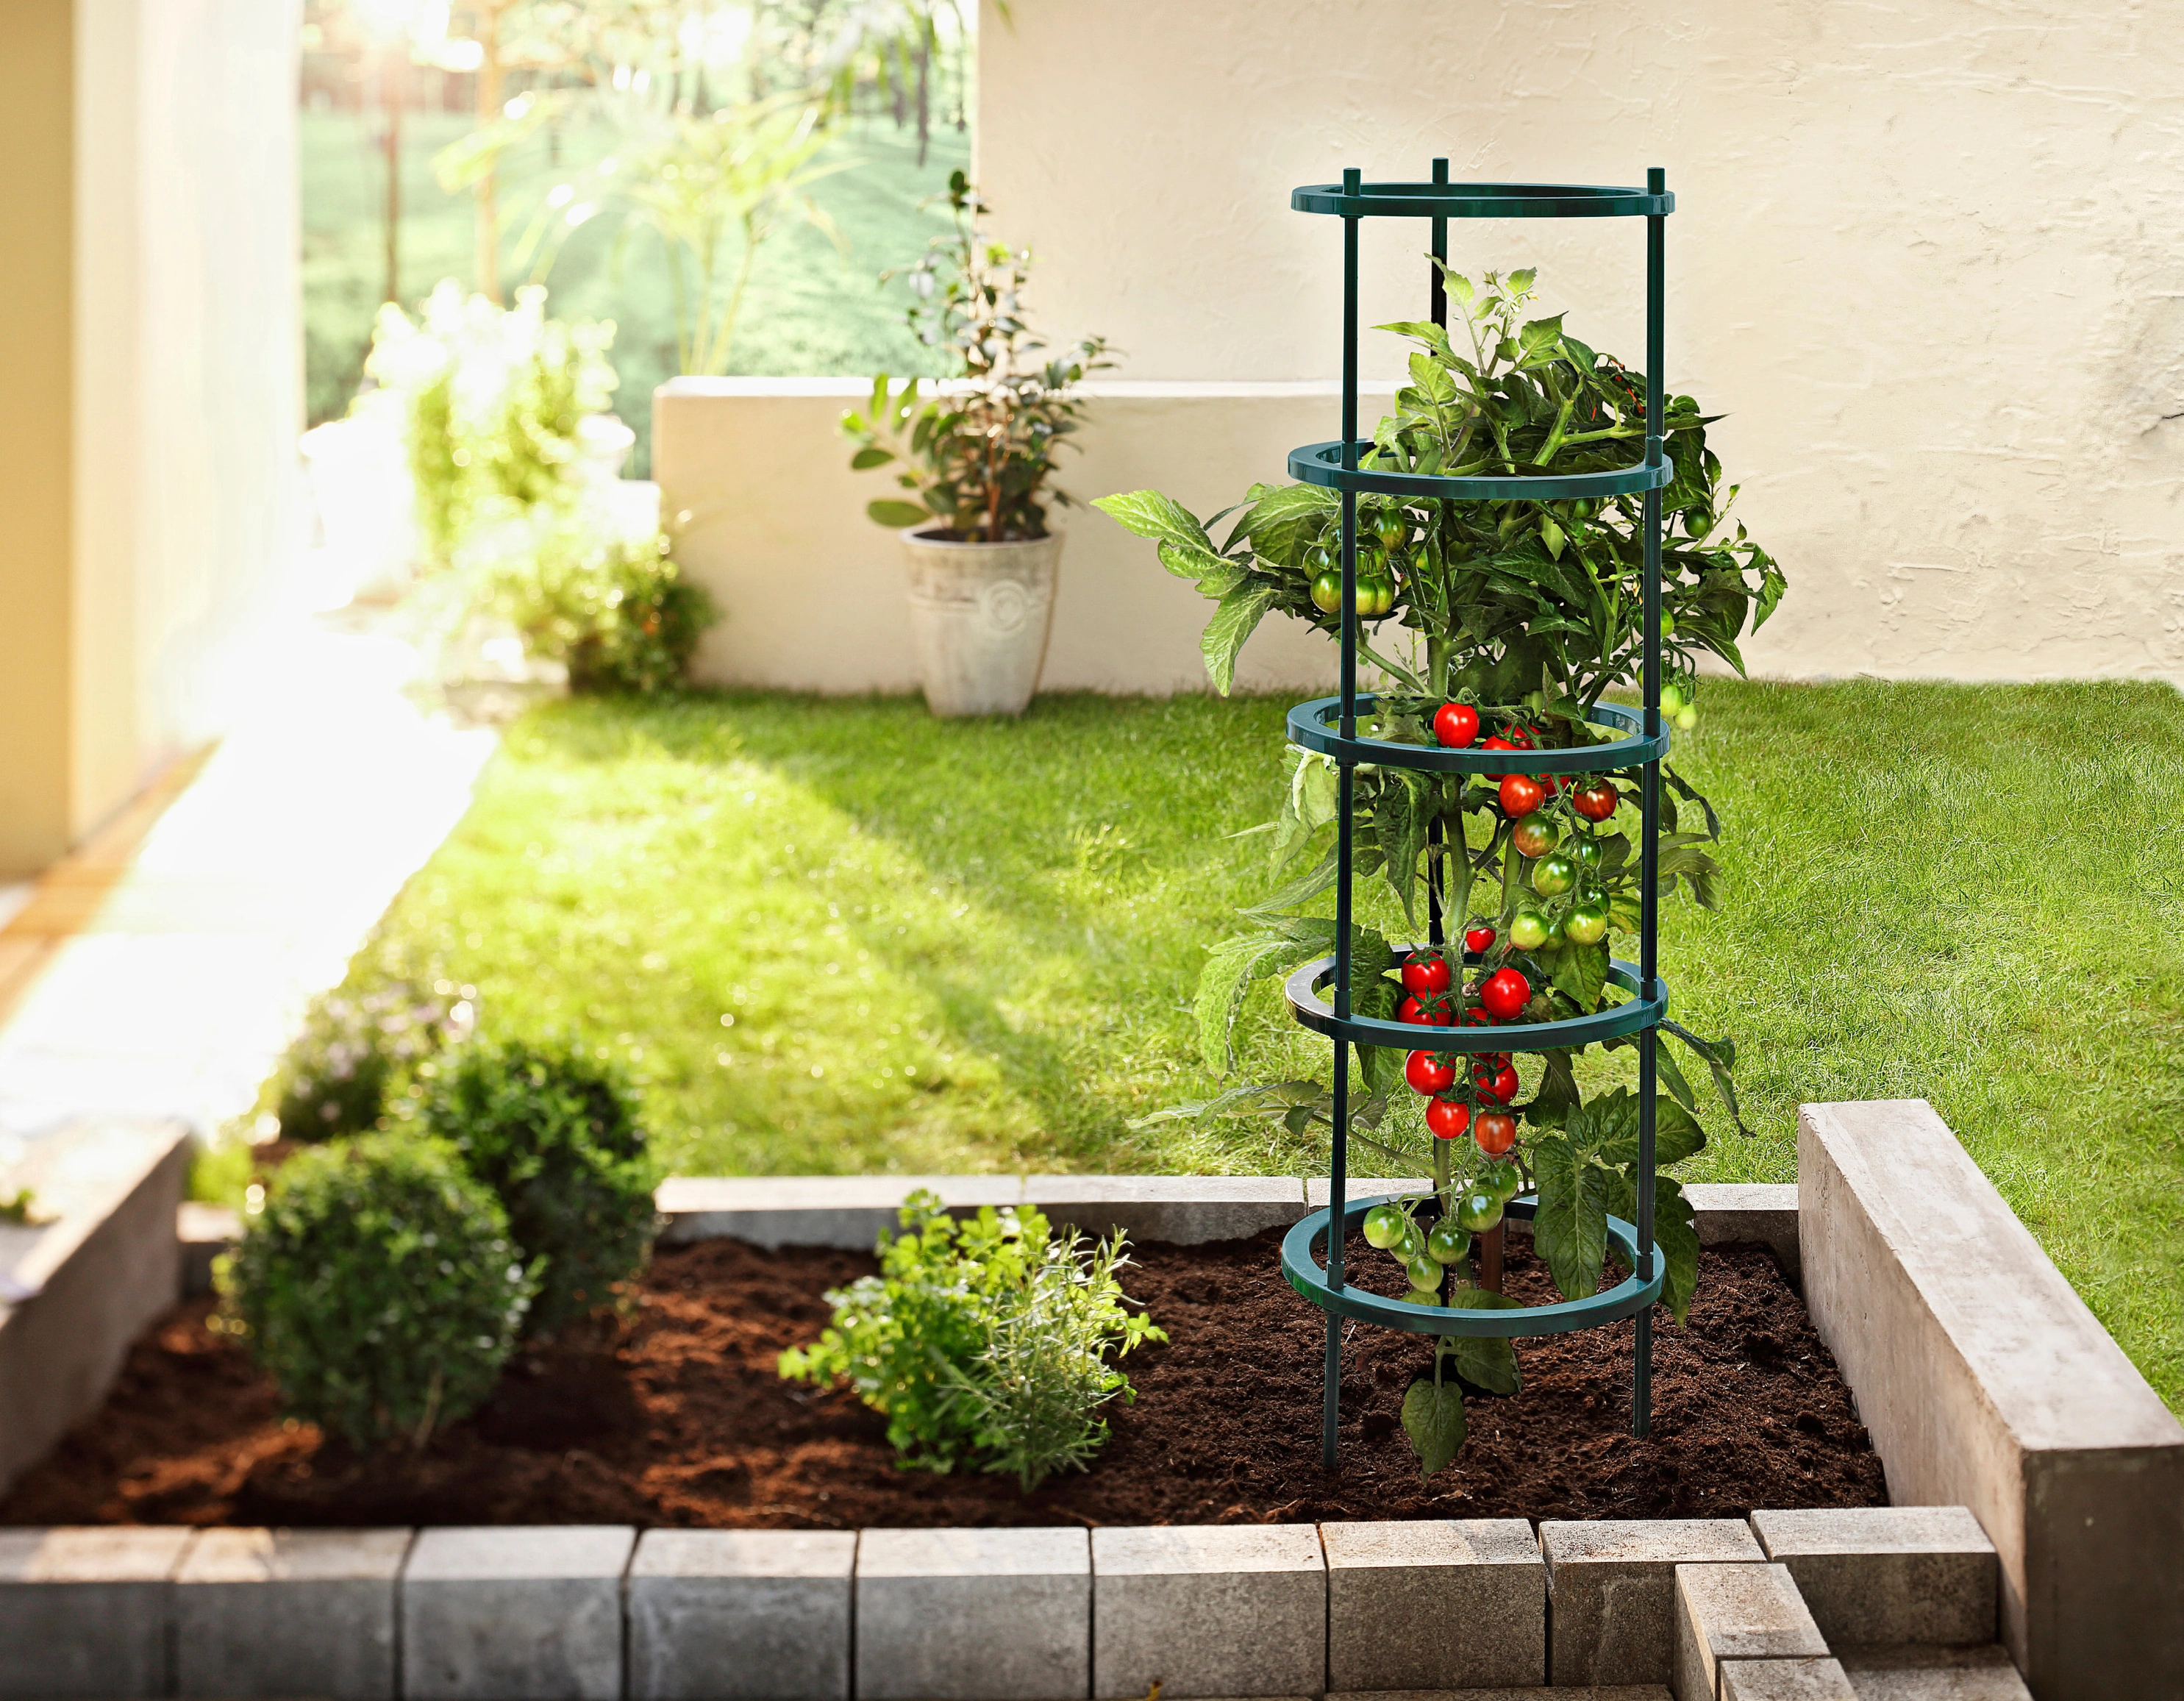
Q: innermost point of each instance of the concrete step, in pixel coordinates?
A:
(1911, 1672)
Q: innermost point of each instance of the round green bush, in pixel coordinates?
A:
(335, 1080)
(379, 1287)
(555, 1135)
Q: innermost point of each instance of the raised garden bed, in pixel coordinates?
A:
(678, 1417)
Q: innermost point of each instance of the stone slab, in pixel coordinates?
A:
(274, 1613)
(1184, 1210)
(77, 1290)
(1318, 1189)
(525, 1614)
(1888, 1574)
(205, 1232)
(740, 1616)
(1226, 1609)
(973, 1615)
(84, 1612)
(1608, 1691)
(1819, 1678)
(1435, 1604)
(1933, 1674)
(1612, 1591)
(1986, 1382)
(1761, 1213)
(1727, 1616)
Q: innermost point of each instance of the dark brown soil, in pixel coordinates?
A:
(676, 1417)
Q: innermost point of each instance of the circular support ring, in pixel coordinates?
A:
(1310, 728)
(1304, 1272)
(1482, 201)
(1302, 990)
(1321, 464)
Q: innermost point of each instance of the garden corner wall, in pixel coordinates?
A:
(1923, 260)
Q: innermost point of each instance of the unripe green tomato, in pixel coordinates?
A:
(1502, 1179)
(1375, 597)
(1423, 1271)
(1534, 837)
(1585, 852)
(1412, 1244)
(1319, 558)
(1327, 593)
(1446, 1241)
(1478, 1211)
(1553, 876)
(1557, 934)
(1687, 718)
(1586, 924)
(1383, 1226)
(1420, 1295)
(1528, 931)
(1393, 529)
(1668, 624)
(1672, 698)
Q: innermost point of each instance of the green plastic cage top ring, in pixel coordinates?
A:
(1445, 200)
(1321, 464)
(1311, 1010)
(1303, 1271)
(1310, 728)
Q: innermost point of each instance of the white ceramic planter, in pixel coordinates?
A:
(980, 614)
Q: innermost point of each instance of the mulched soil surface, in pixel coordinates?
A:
(676, 1417)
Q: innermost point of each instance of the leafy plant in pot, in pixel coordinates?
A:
(978, 456)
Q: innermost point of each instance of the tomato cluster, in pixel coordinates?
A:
(1426, 1254)
(1383, 556)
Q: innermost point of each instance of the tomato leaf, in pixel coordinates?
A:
(1581, 970)
(1433, 1418)
(1233, 621)
(1570, 1228)
(1215, 575)
(1405, 805)
(1675, 1232)
(1720, 1056)
(1235, 966)
(1676, 1133)
(1150, 515)
(1484, 1360)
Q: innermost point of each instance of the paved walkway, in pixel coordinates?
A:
(160, 970)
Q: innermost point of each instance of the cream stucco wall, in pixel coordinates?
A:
(1928, 258)
(150, 364)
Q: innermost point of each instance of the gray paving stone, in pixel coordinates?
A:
(84, 1612)
(1933, 1674)
(1889, 1574)
(527, 1614)
(1607, 1691)
(1729, 1615)
(1228, 1610)
(1435, 1604)
(973, 1615)
(1612, 1592)
(1817, 1679)
(846, 1211)
(1185, 1210)
(740, 1616)
(271, 1613)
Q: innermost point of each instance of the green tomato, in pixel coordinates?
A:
(1672, 698)
(1478, 1211)
(1557, 934)
(1587, 924)
(1383, 1226)
(1375, 597)
(1327, 593)
(1393, 529)
(1553, 876)
(1319, 558)
(1446, 1243)
(1422, 1295)
(1502, 1179)
(1528, 931)
(1668, 624)
(1412, 1244)
(1687, 718)
(1585, 852)
(1423, 1271)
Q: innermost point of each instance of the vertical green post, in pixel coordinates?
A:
(1642, 1361)
(1338, 1166)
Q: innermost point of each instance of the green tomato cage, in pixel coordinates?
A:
(1319, 993)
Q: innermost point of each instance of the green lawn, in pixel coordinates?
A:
(812, 310)
(950, 946)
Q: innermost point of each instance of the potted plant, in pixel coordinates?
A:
(978, 456)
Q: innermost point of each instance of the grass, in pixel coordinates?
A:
(838, 935)
(812, 310)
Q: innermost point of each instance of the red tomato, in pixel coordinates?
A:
(1496, 743)
(1520, 738)
(1455, 724)
(1473, 1017)
(1521, 794)
(1505, 993)
(1447, 1117)
(1496, 1080)
(1426, 972)
(1596, 801)
(1496, 1134)
(1424, 1015)
(1479, 938)
(1428, 1075)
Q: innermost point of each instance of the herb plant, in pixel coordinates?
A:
(988, 1338)
(979, 456)
(1506, 622)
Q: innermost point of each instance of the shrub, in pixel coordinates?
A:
(618, 613)
(555, 1136)
(335, 1080)
(989, 1337)
(379, 1288)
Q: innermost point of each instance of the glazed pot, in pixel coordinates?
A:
(980, 614)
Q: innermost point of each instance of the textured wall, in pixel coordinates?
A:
(1927, 258)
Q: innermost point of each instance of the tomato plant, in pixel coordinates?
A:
(1515, 619)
